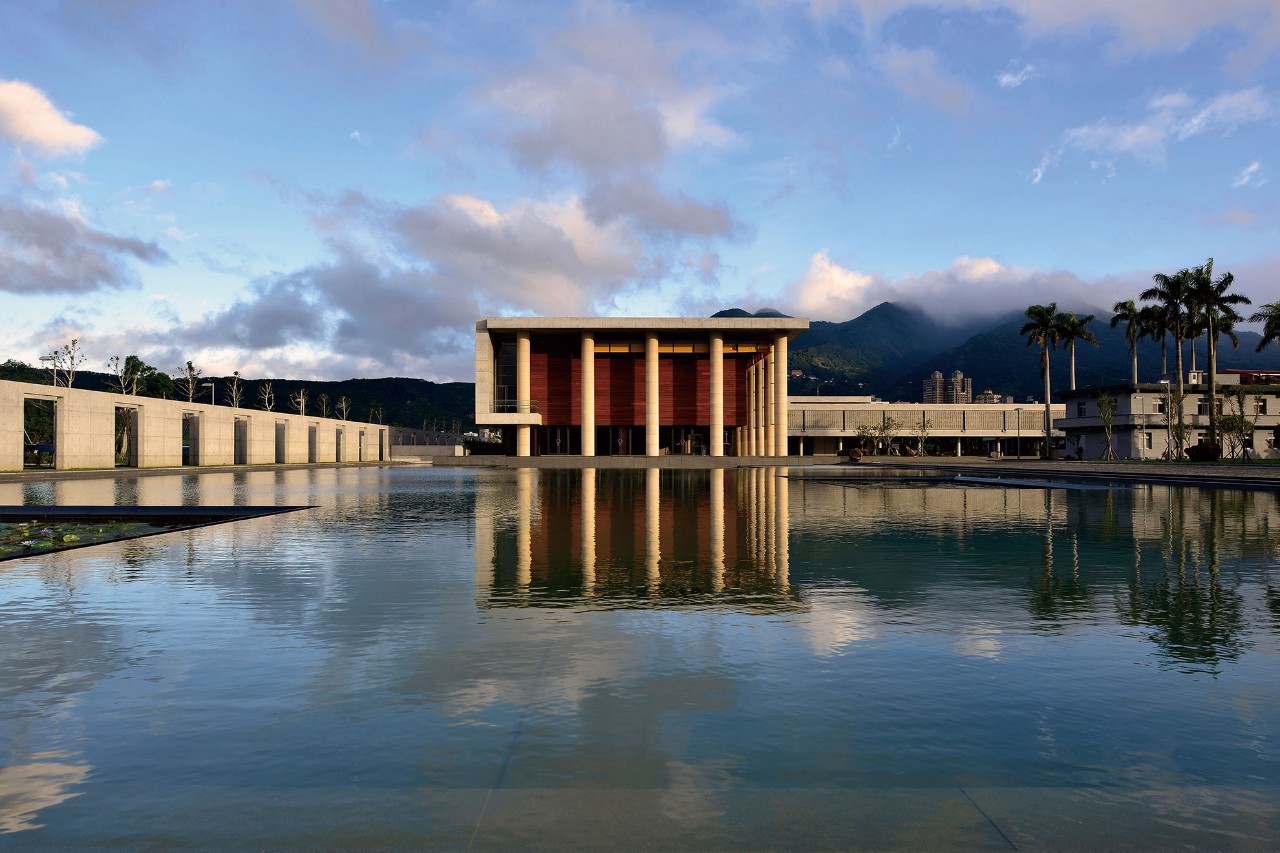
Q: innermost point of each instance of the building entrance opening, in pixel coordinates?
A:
(282, 441)
(311, 443)
(126, 437)
(190, 438)
(337, 445)
(360, 447)
(39, 434)
(382, 441)
(558, 441)
(625, 441)
(240, 442)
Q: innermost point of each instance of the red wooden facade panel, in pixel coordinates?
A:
(684, 383)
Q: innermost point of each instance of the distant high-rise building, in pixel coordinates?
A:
(989, 396)
(954, 389)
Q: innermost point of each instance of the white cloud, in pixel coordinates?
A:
(159, 187)
(897, 137)
(28, 118)
(968, 288)
(177, 234)
(359, 137)
(1251, 176)
(1014, 79)
(1169, 118)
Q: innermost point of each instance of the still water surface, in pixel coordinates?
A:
(504, 659)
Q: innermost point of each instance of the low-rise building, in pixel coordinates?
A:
(1142, 428)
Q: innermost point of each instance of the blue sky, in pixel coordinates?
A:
(336, 188)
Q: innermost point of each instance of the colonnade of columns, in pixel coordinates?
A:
(764, 435)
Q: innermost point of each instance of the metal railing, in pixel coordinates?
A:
(514, 407)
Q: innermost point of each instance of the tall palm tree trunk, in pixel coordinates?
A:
(1212, 359)
(1180, 439)
(1135, 362)
(1048, 418)
(1072, 349)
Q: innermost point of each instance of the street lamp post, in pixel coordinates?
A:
(1018, 415)
(212, 400)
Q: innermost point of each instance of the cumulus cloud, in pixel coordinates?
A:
(29, 119)
(46, 250)
(1170, 118)
(967, 289)
(918, 74)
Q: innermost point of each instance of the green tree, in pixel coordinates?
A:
(1269, 316)
(1127, 312)
(1155, 326)
(1041, 329)
(1213, 300)
(1170, 293)
(1071, 329)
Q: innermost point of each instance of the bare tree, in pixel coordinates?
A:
(266, 396)
(375, 412)
(235, 390)
(1107, 414)
(64, 361)
(323, 402)
(188, 381)
(298, 399)
(343, 407)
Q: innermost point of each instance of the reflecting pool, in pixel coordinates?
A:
(750, 659)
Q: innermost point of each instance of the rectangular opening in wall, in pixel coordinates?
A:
(190, 438)
(360, 447)
(39, 435)
(126, 437)
(240, 442)
(312, 454)
(337, 445)
(382, 445)
(282, 440)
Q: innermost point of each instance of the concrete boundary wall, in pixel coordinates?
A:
(85, 432)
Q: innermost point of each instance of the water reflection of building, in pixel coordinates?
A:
(679, 537)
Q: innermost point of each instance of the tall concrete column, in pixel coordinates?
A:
(588, 394)
(781, 427)
(770, 407)
(717, 395)
(651, 395)
(760, 408)
(523, 431)
(749, 432)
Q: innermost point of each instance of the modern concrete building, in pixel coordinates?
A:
(635, 386)
(824, 426)
(953, 389)
(170, 433)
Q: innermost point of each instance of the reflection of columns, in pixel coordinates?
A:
(524, 526)
(780, 394)
(768, 510)
(486, 501)
(782, 528)
(652, 524)
(651, 395)
(717, 530)
(717, 395)
(588, 531)
(588, 394)
(523, 431)
(769, 409)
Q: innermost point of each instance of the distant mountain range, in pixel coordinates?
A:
(889, 351)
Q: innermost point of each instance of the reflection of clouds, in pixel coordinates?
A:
(838, 620)
(980, 640)
(41, 783)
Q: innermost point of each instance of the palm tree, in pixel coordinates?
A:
(1213, 301)
(1269, 315)
(1170, 295)
(1131, 315)
(1071, 329)
(1155, 327)
(1042, 330)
